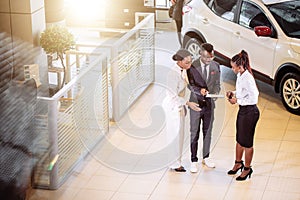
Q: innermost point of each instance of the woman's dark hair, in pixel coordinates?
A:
(181, 54)
(242, 59)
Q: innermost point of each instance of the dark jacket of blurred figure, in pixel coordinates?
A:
(17, 135)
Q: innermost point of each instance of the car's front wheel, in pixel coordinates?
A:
(290, 92)
(193, 46)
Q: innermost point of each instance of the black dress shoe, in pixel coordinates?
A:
(180, 169)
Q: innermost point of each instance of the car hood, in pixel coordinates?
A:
(295, 44)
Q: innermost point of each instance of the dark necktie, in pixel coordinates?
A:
(205, 73)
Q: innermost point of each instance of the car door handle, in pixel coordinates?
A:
(205, 21)
(237, 34)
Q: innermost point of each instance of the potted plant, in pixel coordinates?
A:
(57, 40)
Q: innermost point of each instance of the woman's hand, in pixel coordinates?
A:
(194, 106)
(229, 94)
(233, 100)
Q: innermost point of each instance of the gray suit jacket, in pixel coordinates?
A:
(196, 82)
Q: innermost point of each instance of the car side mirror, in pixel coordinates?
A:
(263, 31)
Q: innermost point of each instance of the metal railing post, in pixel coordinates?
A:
(114, 83)
(53, 140)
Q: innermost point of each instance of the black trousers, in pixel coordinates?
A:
(179, 28)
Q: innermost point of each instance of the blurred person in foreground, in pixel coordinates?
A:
(177, 16)
(174, 106)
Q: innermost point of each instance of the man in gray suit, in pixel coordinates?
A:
(204, 78)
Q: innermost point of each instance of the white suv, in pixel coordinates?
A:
(269, 30)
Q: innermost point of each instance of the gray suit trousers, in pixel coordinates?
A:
(206, 116)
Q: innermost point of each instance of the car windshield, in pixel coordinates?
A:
(287, 14)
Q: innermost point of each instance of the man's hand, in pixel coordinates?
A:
(194, 106)
(203, 91)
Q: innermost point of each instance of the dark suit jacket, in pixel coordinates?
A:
(177, 12)
(196, 82)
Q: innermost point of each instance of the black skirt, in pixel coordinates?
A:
(245, 125)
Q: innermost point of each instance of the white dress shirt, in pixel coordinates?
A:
(246, 89)
(207, 70)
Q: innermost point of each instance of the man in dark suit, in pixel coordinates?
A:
(204, 78)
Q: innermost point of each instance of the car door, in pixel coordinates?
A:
(219, 23)
(260, 49)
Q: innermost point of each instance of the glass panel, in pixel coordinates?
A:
(149, 3)
(224, 8)
(251, 16)
(162, 3)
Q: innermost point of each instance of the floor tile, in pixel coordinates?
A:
(288, 158)
(286, 170)
(290, 146)
(104, 183)
(280, 195)
(131, 196)
(292, 135)
(137, 186)
(283, 184)
(85, 194)
(207, 192)
(59, 194)
(178, 190)
(243, 193)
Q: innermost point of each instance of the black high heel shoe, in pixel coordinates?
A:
(232, 172)
(240, 178)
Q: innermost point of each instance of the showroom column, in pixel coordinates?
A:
(55, 12)
(23, 19)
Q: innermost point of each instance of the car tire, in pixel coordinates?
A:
(290, 92)
(193, 46)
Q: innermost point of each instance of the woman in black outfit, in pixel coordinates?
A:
(246, 95)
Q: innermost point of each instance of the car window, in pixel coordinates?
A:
(224, 8)
(252, 16)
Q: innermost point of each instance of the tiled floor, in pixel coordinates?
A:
(276, 161)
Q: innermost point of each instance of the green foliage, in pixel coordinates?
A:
(57, 39)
